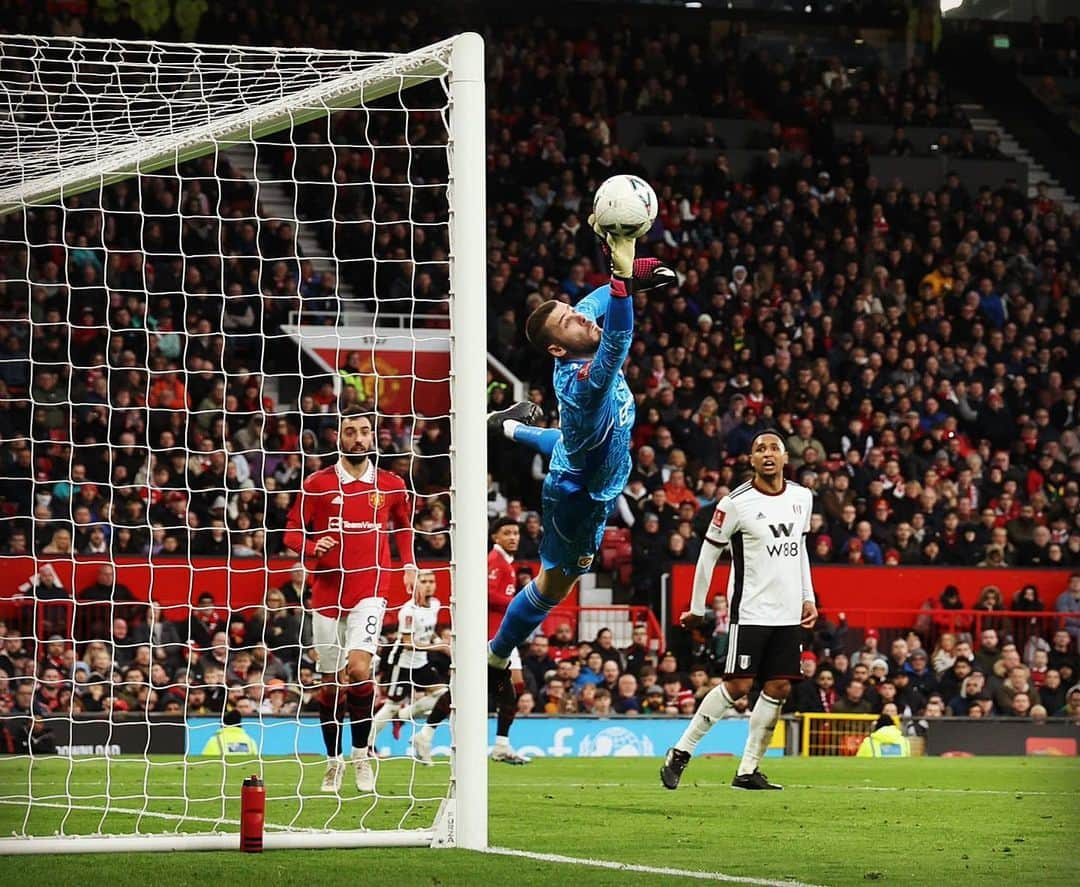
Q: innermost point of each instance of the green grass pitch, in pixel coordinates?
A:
(840, 821)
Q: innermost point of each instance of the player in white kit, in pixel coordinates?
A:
(770, 600)
(414, 684)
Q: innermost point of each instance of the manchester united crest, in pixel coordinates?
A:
(376, 499)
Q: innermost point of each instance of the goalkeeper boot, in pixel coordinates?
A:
(675, 762)
(365, 771)
(335, 772)
(421, 744)
(649, 274)
(504, 754)
(525, 412)
(755, 781)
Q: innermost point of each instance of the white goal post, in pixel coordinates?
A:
(80, 115)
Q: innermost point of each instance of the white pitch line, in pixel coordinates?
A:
(835, 788)
(930, 789)
(644, 869)
(153, 814)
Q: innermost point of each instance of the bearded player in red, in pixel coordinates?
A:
(342, 522)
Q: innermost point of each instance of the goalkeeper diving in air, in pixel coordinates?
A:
(590, 452)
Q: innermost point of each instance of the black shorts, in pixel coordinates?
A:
(764, 651)
(402, 681)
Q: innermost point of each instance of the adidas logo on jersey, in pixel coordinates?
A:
(760, 516)
(337, 500)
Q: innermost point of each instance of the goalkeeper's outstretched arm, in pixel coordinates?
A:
(618, 316)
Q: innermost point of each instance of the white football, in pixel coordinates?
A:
(625, 206)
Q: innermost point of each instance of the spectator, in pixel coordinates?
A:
(989, 650)
(854, 701)
(626, 700)
(638, 654)
(1069, 602)
(1063, 655)
(990, 602)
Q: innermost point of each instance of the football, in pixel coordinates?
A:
(625, 206)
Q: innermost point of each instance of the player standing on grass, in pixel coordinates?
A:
(506, 535)
(590, 455)
(502, 585)
(341, 524)
(770, 601)
(414, 685)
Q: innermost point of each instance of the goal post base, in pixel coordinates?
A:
(309, 840)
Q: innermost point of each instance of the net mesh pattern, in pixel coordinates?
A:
(175, 344)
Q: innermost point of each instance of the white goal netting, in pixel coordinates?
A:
(206, 253)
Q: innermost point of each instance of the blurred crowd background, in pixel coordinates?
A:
(915, 342)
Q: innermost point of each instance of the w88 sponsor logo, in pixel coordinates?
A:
(783, 549)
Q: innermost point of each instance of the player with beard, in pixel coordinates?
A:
(342, 523)
(770, 600)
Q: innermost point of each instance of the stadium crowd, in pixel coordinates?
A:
(918, 351)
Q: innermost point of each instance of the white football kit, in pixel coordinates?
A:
(409, 666)
(770, 567)
(420, 622)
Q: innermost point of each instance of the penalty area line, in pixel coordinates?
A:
(643, 869)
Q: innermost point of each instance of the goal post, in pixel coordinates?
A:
(80, 116)
(469, 282)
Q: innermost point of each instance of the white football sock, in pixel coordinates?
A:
(710, 711)
(502, 742)
(382, 718)
(509, 425)
(420, 707)
(763, 720)
(427, 731)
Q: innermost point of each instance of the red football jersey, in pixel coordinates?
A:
(363, 512)
(502, 584)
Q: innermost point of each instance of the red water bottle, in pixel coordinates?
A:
(252, 815)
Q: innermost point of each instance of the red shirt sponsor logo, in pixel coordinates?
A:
(364, 514)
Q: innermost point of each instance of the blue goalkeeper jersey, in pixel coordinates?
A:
(596, 408)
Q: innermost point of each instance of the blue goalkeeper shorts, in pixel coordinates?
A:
(573, 526)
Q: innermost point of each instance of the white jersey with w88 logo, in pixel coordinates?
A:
(770, 572)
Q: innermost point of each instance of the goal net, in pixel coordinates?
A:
(207, 252)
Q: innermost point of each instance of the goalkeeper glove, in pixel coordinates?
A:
(622, 251)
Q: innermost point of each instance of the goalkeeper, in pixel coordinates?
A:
(590, 453)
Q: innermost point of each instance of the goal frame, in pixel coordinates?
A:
(462, 817)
